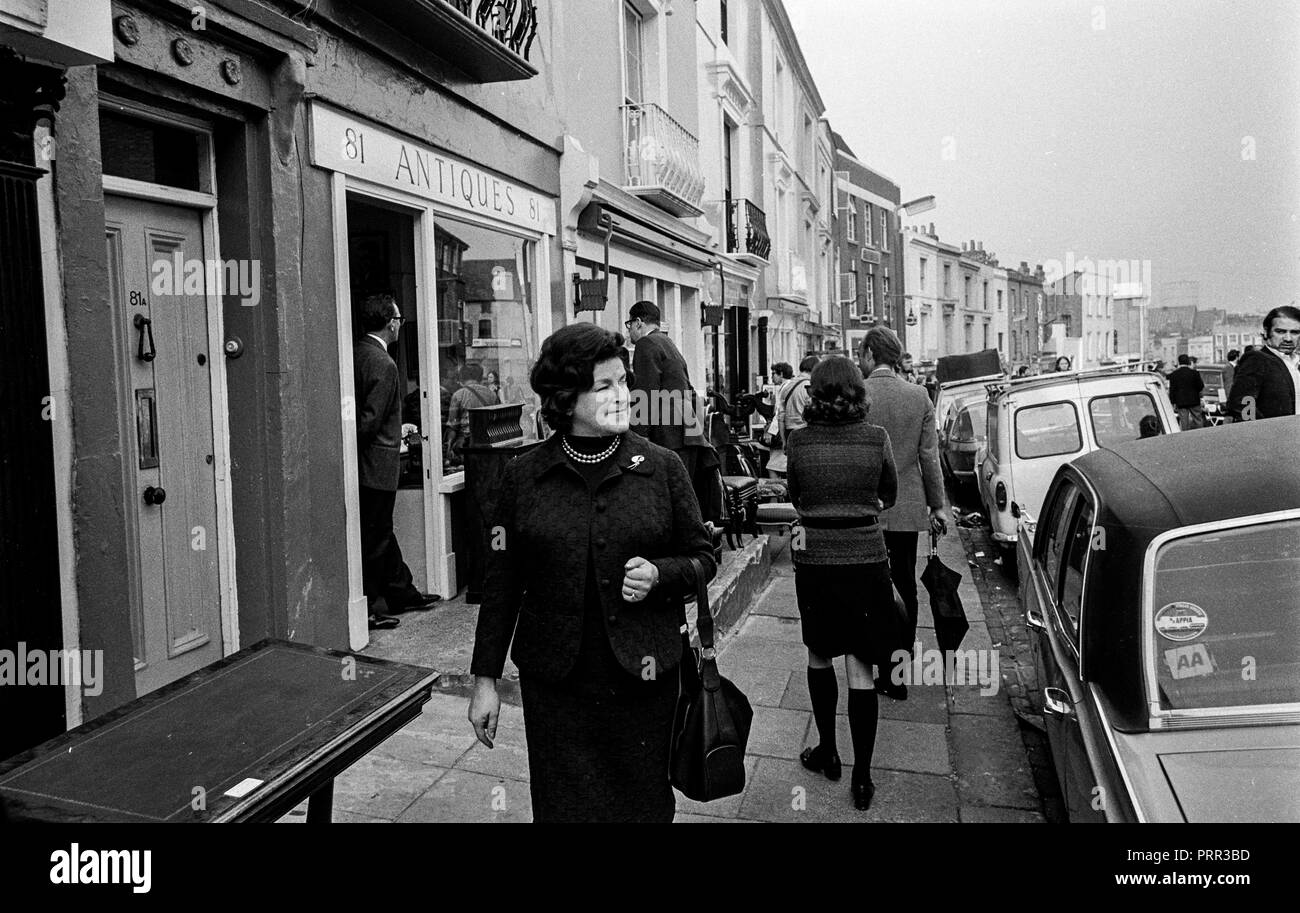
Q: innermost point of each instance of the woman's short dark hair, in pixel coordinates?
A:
(838, 393)
(781, 369)
(566, 368)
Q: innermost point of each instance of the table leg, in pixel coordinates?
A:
(320, 807)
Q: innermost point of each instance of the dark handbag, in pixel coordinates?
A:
(711, 725)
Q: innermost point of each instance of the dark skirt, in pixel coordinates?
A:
(846, 609)
(599, 741)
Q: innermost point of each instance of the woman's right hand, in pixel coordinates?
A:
(485, 709)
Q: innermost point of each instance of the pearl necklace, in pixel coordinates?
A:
(593, 458)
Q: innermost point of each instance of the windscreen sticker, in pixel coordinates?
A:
(1189, 661)
(1181, 621)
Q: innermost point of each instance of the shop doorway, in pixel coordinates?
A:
(169, 446)
(383, 258)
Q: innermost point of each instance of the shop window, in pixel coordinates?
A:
(482, 360)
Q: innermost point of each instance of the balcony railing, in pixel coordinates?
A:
(490, 40)
(511, 22)
(747, 231)
(662, 160)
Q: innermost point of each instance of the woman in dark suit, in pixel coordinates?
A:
(590, 558)
(841, 476)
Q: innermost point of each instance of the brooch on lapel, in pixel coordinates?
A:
(637, 460)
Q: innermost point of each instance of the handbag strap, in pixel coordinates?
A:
(704, 615)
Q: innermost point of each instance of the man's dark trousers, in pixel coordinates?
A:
(902, 569)
(384, 572)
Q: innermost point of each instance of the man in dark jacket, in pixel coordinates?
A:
(1185, 386)
(1267, 381)
(387, 580)
(662, 400)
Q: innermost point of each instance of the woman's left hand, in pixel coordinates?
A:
(640, 577)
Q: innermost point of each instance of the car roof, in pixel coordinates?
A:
(1016, 386)
(1175, 480)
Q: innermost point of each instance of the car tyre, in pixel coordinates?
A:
(1010, 566)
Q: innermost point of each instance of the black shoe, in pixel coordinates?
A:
(862, 793)
(383, 622)
(422, 602)
(889, 689)
(814, 759)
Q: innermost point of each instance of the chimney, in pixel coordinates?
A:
(963, 247)
(932, 234)
(1024, 266)
(981, 247)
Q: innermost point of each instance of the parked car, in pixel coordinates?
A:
(1214, 397)
(1037, 424)
(961, 434)
(1163, 597)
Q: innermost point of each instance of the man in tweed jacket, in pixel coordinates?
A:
(905, 411)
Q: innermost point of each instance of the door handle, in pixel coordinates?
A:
(154, 496)
(145, 325)
(1057, 703)
(1035, 620)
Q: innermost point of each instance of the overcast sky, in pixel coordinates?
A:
(1160, 130)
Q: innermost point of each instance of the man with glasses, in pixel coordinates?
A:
(662, 383)
(389, 587)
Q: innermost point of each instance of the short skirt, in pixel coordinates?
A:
(846, 609)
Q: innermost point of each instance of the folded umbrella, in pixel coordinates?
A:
(950, 624)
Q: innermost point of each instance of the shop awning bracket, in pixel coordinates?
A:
(593, 294)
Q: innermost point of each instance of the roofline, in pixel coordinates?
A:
(857, 161)
(781, 20)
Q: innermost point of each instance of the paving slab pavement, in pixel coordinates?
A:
(947, 754)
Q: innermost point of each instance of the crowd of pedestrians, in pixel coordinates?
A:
(599, 528)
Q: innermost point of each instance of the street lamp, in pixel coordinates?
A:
(915, 207)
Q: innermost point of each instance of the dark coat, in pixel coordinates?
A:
(657, 364)
(550, 524)
(1185, 386)
(379, 415)
(1261, 375)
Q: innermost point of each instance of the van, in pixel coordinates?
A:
(1035, 425)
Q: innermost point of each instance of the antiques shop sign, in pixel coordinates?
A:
(363, 150)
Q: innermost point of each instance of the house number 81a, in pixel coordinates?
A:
(354, 145)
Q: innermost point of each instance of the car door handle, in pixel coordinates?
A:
(1057, 703)
(1035, 620)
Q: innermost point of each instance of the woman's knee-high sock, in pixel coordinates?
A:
(864, 712)
(825, 693)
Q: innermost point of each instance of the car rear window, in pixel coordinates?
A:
(977, 413)
(1212, 378)
(1048, 430)
(1225, 620)
(1115, 419)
